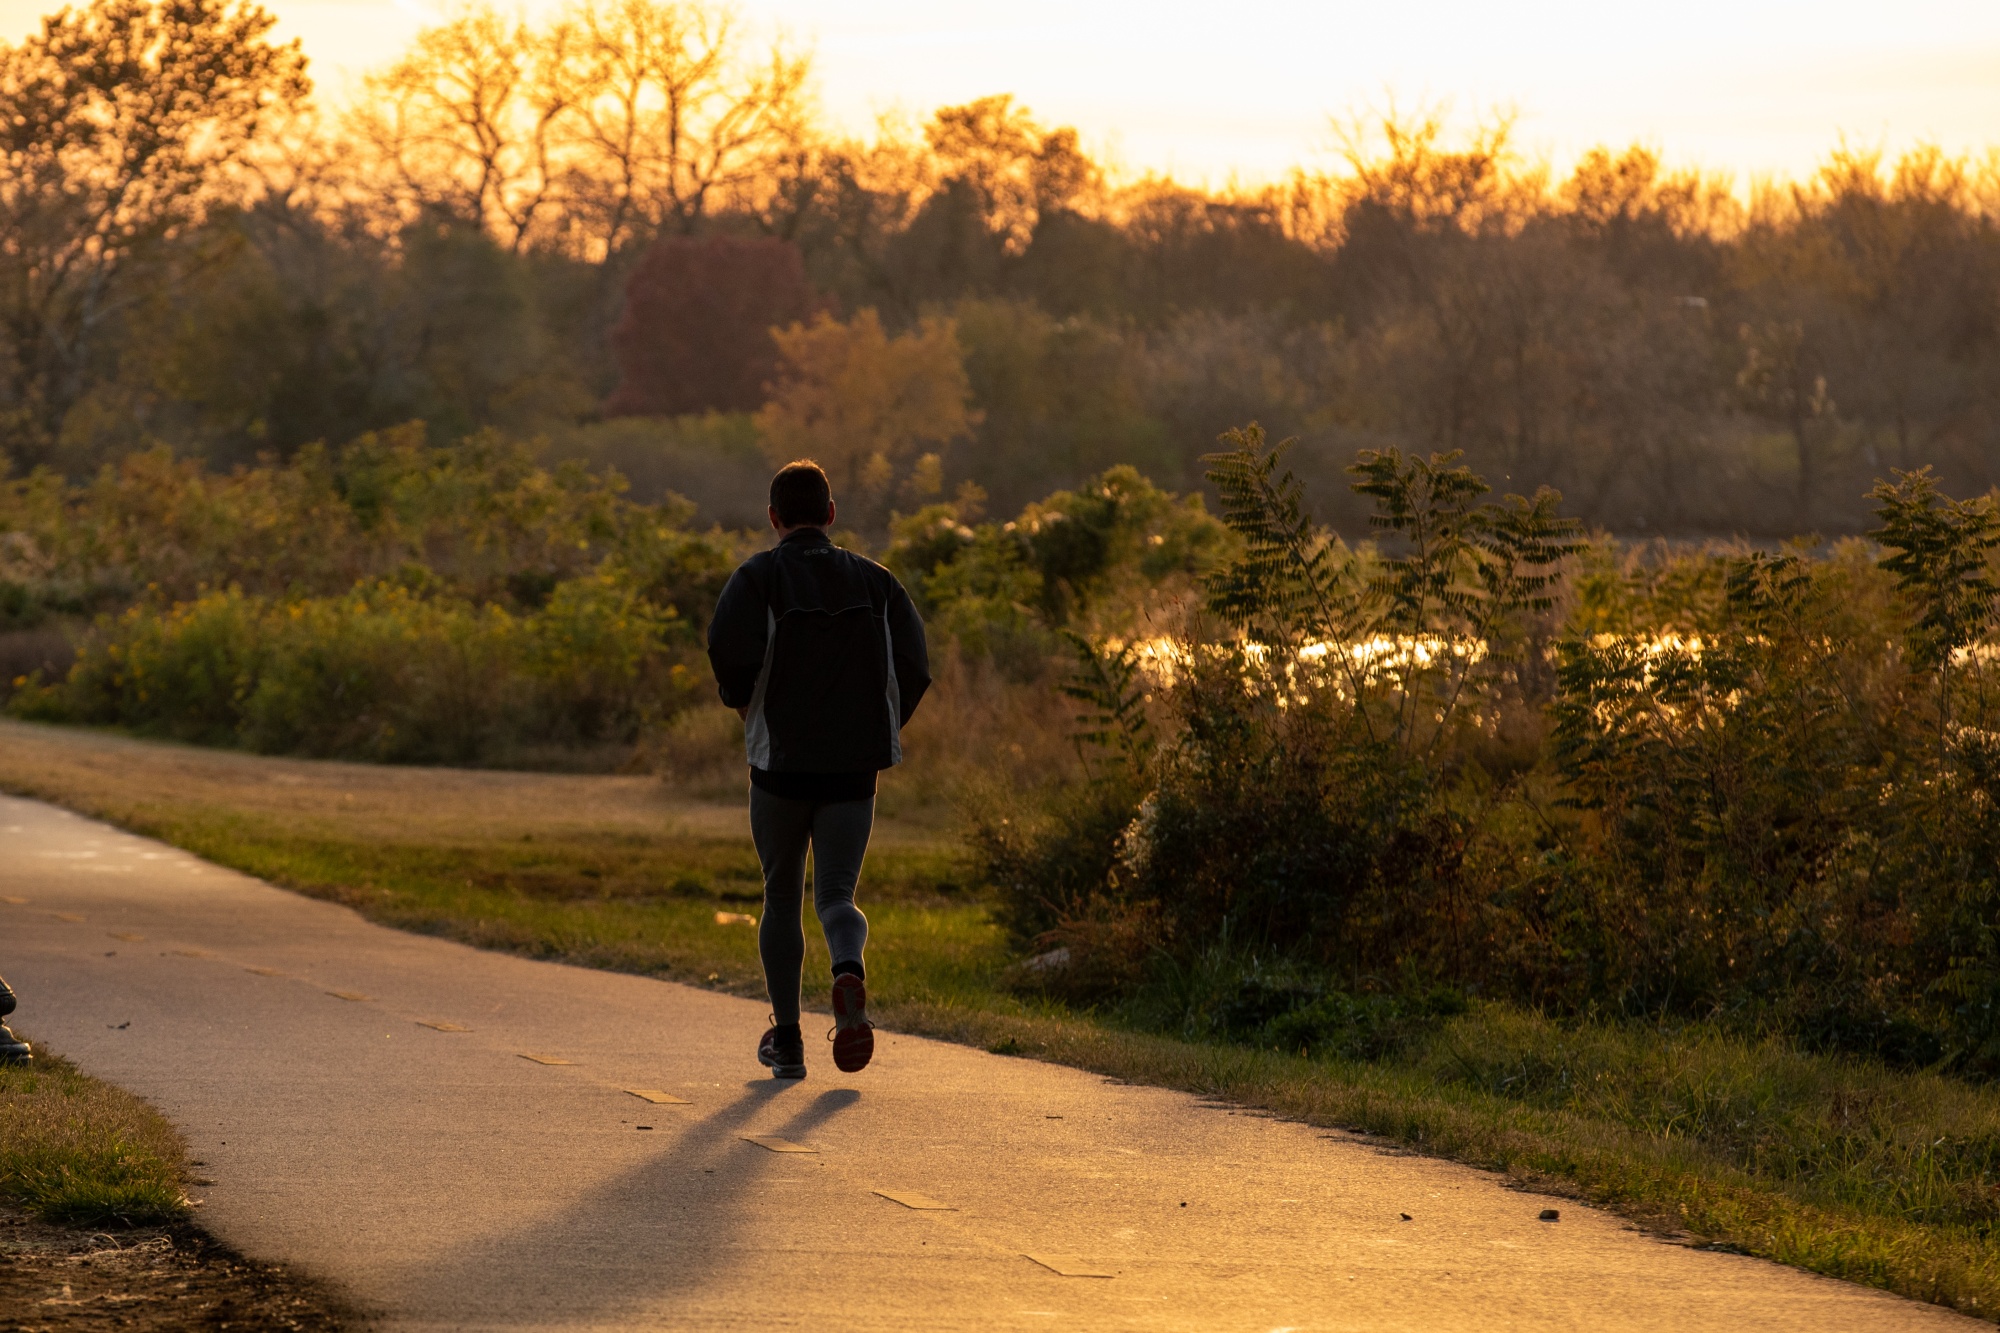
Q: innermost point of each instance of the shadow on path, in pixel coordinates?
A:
(690, 1208)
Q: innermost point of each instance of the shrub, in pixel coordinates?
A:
(1051, 865)
(1789, 812)
(480, 519)
(184, 671)
(1767, 794)
(1111, 555)
(385, 675)
(1300, 800)
(380, 673)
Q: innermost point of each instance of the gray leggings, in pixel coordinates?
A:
(837, 833)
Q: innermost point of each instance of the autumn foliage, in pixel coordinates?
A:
(871, 407)
(696, 333)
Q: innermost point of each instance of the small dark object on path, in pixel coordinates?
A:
(1408, 1218)
(13, 1051)
(1550, 1215)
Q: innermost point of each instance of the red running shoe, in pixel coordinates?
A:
(853, 1036)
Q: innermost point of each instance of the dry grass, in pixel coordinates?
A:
(975, 728)
(121, 778)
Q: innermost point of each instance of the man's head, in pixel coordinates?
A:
(801, 497)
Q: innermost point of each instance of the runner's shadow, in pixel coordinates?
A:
(690, 1210)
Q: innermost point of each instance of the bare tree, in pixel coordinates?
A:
(467, 122)
(673, 116)
(614, 121)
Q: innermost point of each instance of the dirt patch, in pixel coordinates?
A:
(148, 1278)
(115, 774)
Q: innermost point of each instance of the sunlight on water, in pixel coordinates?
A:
(1382, 660)
(1394, 663)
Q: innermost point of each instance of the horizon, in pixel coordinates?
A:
(1796, 82)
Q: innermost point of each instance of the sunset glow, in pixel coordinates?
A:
(1765, 87)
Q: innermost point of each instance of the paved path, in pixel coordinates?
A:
(360, 1098)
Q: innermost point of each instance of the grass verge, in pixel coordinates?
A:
(80, 1152)
(1839, 1166)
(96, 1229)
(1842, 1168)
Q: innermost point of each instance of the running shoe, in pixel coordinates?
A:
(853, 1036)
(784, 1052)
(13, 1051)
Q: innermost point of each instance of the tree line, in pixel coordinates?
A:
(624, 230)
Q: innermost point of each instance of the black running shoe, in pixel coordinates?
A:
(13, 1051)
(784, 1051)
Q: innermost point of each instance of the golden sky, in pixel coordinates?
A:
(1208, 89)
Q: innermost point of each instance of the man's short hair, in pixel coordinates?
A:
(801, 495)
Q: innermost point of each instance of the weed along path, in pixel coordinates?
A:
(461, 1139)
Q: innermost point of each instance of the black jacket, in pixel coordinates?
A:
(826, 650)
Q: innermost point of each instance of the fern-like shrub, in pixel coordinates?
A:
(1305, 793)
(1761, 789)
(1308, 798)
(1786, 806)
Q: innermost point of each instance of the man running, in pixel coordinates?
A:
(821, 653)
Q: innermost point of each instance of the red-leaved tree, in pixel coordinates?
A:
(696, 333)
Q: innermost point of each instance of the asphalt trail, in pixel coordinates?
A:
(443, 1181)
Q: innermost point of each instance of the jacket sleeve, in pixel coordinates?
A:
(736, 638)
(912, 658)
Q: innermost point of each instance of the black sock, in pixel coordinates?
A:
(785, 1029)
(852, 969)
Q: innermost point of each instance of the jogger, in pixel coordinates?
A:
(822, 654)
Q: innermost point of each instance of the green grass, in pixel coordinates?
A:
(614, 901)
(1840, 1166)
(77, 1151)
